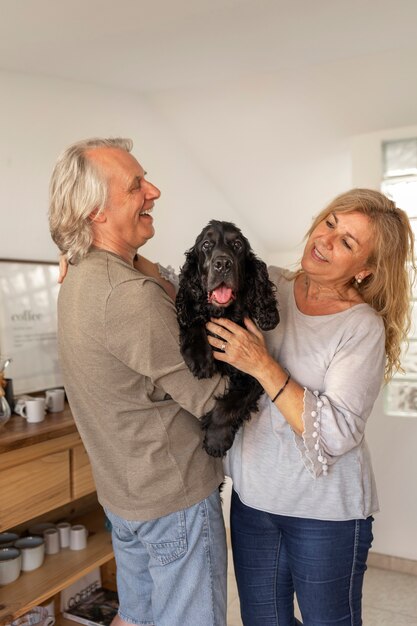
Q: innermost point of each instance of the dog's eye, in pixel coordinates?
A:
(237, 244)
(206, 245)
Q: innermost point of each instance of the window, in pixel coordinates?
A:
(400, 183)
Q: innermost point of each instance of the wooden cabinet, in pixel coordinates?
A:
(82, 481)
(36, 486)
(44, 469)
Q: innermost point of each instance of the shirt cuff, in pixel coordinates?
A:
(169, 274)
(309, 443)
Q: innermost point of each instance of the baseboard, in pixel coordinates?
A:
(393, 563)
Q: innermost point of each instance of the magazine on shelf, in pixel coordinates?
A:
(98, 609)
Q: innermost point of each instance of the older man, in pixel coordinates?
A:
(132, 397)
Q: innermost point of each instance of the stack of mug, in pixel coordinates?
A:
(33, 409)
(26, 553)
(37, 616)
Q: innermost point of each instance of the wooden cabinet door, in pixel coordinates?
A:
(33, 488)
(81, 476)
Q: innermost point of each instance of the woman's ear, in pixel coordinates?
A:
(360, 276)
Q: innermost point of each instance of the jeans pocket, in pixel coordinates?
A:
(172, 538)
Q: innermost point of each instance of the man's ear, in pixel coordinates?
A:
(97, 216)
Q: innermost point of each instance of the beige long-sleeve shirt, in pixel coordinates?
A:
(133, 398)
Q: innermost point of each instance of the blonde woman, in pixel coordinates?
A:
(304, 491)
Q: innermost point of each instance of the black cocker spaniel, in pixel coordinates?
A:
(222, 277)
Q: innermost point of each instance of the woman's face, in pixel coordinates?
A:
(338, 249)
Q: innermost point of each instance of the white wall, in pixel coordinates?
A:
(39, 117)
(392, 440)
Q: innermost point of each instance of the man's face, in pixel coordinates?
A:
(130, 201)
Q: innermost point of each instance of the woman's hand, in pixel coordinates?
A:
(63, 268)
(246, 350)
(243, 348)
(149, 268)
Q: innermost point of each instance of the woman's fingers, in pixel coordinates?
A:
(63, 268)
(252, 327)
(224, 327)
(218, 327)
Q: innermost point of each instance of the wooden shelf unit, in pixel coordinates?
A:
(51, 444)
(57, 572)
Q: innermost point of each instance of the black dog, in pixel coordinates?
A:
(223, 278)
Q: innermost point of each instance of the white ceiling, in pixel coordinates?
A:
(166, 44)
(264, 94)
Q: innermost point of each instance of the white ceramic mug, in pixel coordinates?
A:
(64, 529)
(51, 536)
(32, 409)
(33, 552)
(49, 605)
(78, 537)
(55, 400)
(37, 616)
(10, 565)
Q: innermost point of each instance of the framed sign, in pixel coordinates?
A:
(28, 323)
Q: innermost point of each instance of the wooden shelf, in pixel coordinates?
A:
(57, 572)
(18, 433)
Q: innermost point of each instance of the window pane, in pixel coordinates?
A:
(413, 329)
(399, 157)
(404, 194)
(409, 359)
(401, 398)
(400, 184)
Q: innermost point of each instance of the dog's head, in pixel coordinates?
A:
(221, 250)
(222, 272)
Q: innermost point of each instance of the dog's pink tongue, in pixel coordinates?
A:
(223, 294)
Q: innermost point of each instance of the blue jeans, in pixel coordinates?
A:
(323, 562)
(172, 571)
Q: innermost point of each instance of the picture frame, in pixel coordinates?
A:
(28, 323)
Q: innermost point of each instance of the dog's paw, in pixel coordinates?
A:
(218, 441)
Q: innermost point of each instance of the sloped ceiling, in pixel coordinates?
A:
(264, 94)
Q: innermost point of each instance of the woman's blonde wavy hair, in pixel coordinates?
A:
(388, 288)
(76, 189)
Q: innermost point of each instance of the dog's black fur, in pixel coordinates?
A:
(222, 257)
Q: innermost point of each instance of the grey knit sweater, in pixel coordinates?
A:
(325, 474)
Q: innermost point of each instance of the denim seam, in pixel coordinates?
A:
(206, 532)
(355, 553)
(275, 579)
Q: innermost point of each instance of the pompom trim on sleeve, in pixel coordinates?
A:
(169, 274)
(309, 443)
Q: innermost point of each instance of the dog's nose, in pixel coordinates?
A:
(222, 264)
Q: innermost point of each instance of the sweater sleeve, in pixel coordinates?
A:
(335, 417)
(142, 332)
(170, 275)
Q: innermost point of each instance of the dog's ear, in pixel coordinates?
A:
(190, 296)
(262, 303)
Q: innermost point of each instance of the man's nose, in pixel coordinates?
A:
(152, 192)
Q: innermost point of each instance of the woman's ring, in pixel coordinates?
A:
(223, 346)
